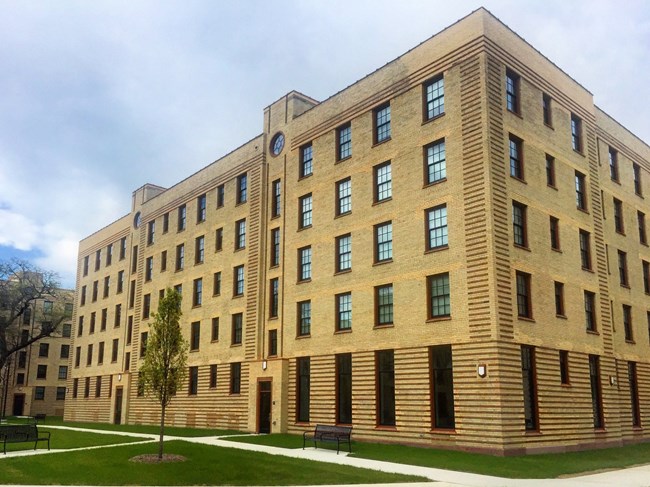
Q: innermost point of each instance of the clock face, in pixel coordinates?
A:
(137, 219)
(277, 144)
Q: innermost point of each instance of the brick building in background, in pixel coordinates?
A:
(450, 252)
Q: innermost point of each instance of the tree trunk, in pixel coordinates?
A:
(162, 432)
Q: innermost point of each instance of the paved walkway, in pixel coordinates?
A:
(629, 477)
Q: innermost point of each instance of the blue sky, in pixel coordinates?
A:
(101, 97)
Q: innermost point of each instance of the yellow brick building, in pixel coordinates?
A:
(449, 252)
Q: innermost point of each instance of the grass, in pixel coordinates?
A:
(138, 428)
(66, 439)
(530, 466)
(205, 465)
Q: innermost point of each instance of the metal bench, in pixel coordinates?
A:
(22, 433)
(332, 434)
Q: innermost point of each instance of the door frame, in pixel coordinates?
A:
(258, 402)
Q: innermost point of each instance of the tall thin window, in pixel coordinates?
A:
(304, 264)
(199, 250)
(383, 242)
(276, 203)
(576, 133)
(303, 386)
(193, 381)
(519, 230)
(148, 269)
(306, 160)
(385, 388)
(344, 311)
(197, 295)
(619, 225)
(201, 208)
(435, 161)
(559, 298)
(381, 118)
(590, 311)
(638, 189)
(275, 247)
(547, 110)
(237, 326)
(238, 285)
(344, 388)
(643, 236)
(195, 335)
(273, 343)
(344, 196)
(437, 233)
(146, 306)
(627, 323)
(550, 171)
(344, 142)
(613, 164)
(516, 157)
(383, 182)
(182, 217)
(235, 378)
(434, 98)
(343, 253)
(165, 223)
(180, 257)
(554, 229)
(123, 248)
(214, 335)
(646, 276)
(622, 269)
(634, 394)
(305, 210)
(218, 239)
(439, 304)
(564, 367)
(240, 234)
(242, 189)
(524, 304)
(98, 259)
(274, 298)
(581, 191)
(596, 394)
(216, 284)
(304, 318)
(585, 249)
(529, 387)
(442, 388)
(512, 91)
(221, 195)
(151, 232)
(384, 305)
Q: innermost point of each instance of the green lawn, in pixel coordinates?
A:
(65, 439)
(530, 466)
(205, 465)
(138, 428)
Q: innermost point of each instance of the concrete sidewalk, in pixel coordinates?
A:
(629, 477)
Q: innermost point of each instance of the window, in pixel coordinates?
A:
(22, 359)
(83, 296)
(165, 222)
(132, 294)
(343, 196)
(276, 204)
(559, 298)
(303, 386)
(123, 248)
(129, 329)
(381, 118)
(274, 298)
(383, 182)
(524, 304)
(512, 91)
(240, 234)
(564, 367)
(237, 324)
(343, 142)
(197, 295)
(613, 164)
(516, 157)
(643, 237)
(98, 259)
(383, 242)
(65, 351)
(60, 393)
(344, 388)
(120, 281)
(143, 343)
(134, 260)
(213, 376)
(306, 160)
(435, 162)
(201, 206)
(529, 380)
(238, 285)
(75, 388)
(304, 261)
(634, 394)
(221, 194)
(242, 189)
(43, 349)
(519, 230)
(384, 305)
(385, 387)
(235, 378)
(182, 217)
(344, 253)
(146, 306)
(439, 305)
(550, 171)
(104, 319)
(437, 236)
(100, 353)
(95, 290)
(434, 98)
(114, 349)
(637, 179)
(547, 110)
(218, 239)
(576, 133)
(585, 249)
(41, 372)
(92, 322)
(596, 395)
(622, 269)
(109, 254)
(442, 388)
(304, 318)
(216, 284)
(195, 335)
(148, 270)
(619, 225)
(151, 232)
(554, 228)
(20, 379)
(646, 276)
(305, 210)
(107, 288)
(39, 393)
(273, 343)
(215, 329)
(89, 357)
(180, 257)
(85, 271)
(193, 382)
(590, 311)
(344, 311)
(199, 250)
(627, 323)
(275, 247)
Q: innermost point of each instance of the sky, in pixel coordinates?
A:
(98, 98)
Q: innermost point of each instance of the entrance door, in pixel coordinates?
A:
(117, 416)
(264, 406)
(19, 404)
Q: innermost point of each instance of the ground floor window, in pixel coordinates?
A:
(302, 394)
(529, 387)
(596, 394)
(634, 394)
(344, 388)
(442, 388)
(385, 387)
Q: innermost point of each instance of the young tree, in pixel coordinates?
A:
(165, 360)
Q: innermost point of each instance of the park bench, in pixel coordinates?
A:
(22, 433)
(332, 434)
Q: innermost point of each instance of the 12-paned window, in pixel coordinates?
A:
(201, 208)
(554, 230)
(195, 335)
(242, 189)
(512, 91)
(622, 269)
(199, 250)
(585, 249)
(237, 325)
(343, 253)
(306, 160)
(276, 205)
(434, 91)
(305, 210)
(643, 237)
(590, 310)
(383, 242)
(524, 304)
(304, 318)
(637, 179)
(240, 234)
(274, 298)
(344, 196)
(384, 305)
(221, 195)
(344, 141)
(435, 160)
(182, 217)
(613, 164)
(576, 133)
(151, 232)
(197, 297)
(627, 323)
(304, 260)
(275, 247)
(382, 123)
(238, 287)
(516, 157)
(519, 229)
(180, 257)
(383, 182)
(550, 171)
(439, 305)
(619, 225)
(344, 311)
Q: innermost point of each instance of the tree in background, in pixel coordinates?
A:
(163, 369)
